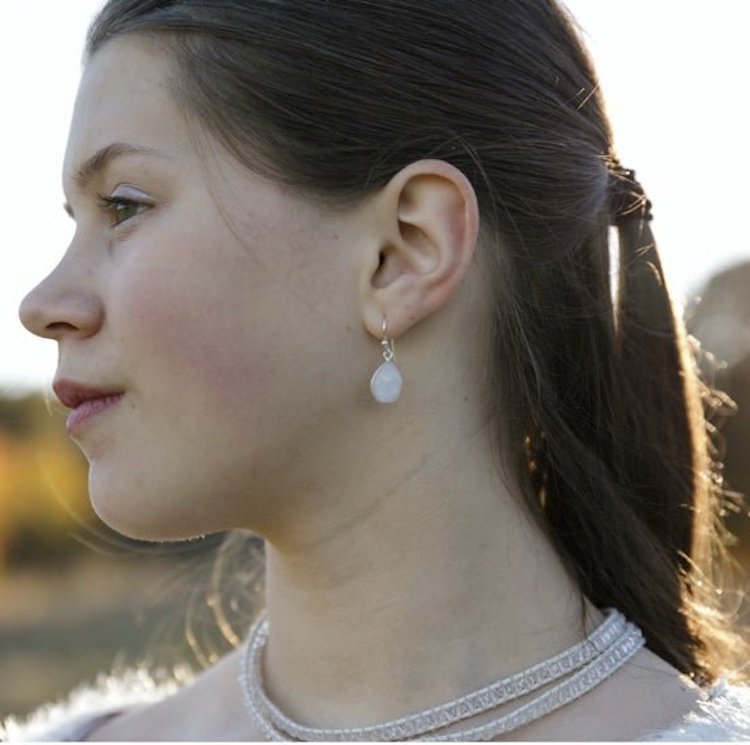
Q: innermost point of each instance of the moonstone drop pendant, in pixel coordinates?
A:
(386, 381)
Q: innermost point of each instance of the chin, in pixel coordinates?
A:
(134, 513)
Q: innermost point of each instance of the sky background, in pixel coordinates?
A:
(675, 75)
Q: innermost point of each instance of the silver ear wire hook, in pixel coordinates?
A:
(389, 349)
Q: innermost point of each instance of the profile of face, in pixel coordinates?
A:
(218, 308)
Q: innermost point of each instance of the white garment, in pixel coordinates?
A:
(724, 715)
(88, 706)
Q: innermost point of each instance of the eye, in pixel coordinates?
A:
(118, 208)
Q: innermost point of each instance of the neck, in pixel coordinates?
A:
(441, 586)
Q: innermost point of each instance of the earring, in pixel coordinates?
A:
(386, 381)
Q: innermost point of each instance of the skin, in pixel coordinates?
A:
(242, 321)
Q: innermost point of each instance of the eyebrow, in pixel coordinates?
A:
(101, 159)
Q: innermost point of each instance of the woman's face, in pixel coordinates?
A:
(221, 307)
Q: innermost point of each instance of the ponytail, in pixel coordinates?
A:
(616, 449)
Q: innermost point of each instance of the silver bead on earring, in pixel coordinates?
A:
(386, 381)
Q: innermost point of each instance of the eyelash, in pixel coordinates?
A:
(111, 207)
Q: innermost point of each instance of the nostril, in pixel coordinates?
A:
(57, 330)
(60, 326)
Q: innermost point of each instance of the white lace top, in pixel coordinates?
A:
(723, 715)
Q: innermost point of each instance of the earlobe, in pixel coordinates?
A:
(428, 221)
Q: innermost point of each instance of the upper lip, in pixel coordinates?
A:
(73, 394)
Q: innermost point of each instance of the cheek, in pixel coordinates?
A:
(189, 336)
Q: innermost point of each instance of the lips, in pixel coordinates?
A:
(86, 402)
(73, 395)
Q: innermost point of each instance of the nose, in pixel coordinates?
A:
(59, 307)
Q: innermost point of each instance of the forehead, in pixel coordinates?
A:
(124, 97)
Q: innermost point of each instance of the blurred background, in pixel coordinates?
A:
(75, 598)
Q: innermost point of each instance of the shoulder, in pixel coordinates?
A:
(724, 714)
(91, 704)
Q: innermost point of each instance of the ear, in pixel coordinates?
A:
(426, 226)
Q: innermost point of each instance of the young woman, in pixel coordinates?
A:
(341, 278)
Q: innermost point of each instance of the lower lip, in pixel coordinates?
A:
(88, 410)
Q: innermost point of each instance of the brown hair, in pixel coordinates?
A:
(599, 405)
